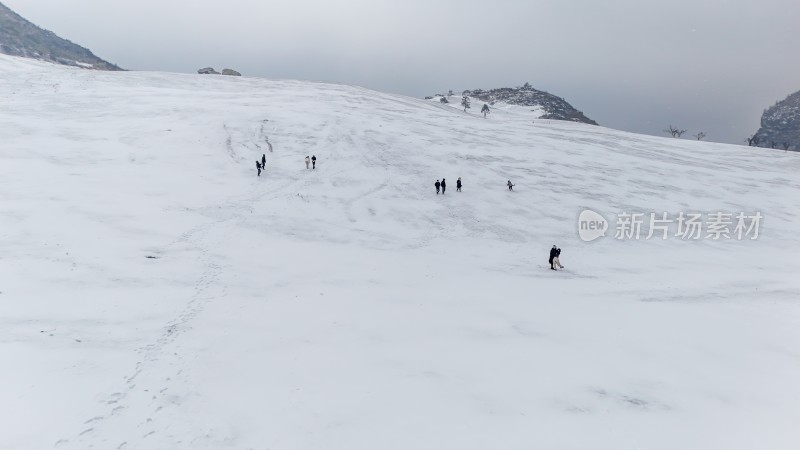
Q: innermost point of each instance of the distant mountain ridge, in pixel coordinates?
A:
(19, 37)
(545, 104)
(780, 124)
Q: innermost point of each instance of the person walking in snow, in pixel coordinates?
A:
(444, 186)
(437, 184)
(313, 162)
(264, 161)
(458, 184)
(556, 261)
(510, 186)
(308, 161)
(553, 254)
(258, 167)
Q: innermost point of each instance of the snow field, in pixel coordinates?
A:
(156, 294)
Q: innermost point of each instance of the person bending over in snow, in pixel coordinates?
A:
(313, 162)
(308, 161)
(258, 167)
(458, 184)
(444, 186)
(556, 261)
(510, 186)
(437, 184)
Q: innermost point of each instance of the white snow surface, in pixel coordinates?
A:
(498, 108)
(156, 294)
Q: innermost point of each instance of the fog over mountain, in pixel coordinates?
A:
(639, 66)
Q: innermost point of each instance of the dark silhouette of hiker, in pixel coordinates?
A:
(458, 184)
(313, 162)
(444, 186)
(437, 184)
(258, 167)
(510, 186)
(553, 255)
(264, 161)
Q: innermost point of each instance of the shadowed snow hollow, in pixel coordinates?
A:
(157, 294)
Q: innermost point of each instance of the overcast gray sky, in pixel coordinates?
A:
(636, 65)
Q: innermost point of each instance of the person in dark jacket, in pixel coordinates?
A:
(444, 186)
(510, 186)
(258, 167)
(556, 261)
(437, 184)
(458, 184)
(264, 161)
(553, 254)
(313, 162)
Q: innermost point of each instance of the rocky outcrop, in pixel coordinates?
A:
(780, 125)
(211, 71)
(18, 37)
(550, 106)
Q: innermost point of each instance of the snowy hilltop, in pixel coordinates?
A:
(19, 37)
(157, 293)
(780, 125)
(522, 100)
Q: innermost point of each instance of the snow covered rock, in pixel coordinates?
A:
(521, 100)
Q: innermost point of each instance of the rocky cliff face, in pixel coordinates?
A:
(18, 37)
(780, 125)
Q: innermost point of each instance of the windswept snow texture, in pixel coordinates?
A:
(156, 294)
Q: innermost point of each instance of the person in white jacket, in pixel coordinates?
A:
(308, 161)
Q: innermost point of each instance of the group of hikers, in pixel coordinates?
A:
(262, 165)
(555, 252)
(313, 161)
(442, 185)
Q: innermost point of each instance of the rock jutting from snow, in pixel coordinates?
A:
(780, 125)
(544, 104)
(231, 72)
(207, 71)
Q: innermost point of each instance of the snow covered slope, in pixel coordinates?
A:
(156, 294)
(525, 112)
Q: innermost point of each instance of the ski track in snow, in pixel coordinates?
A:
(158, 295)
